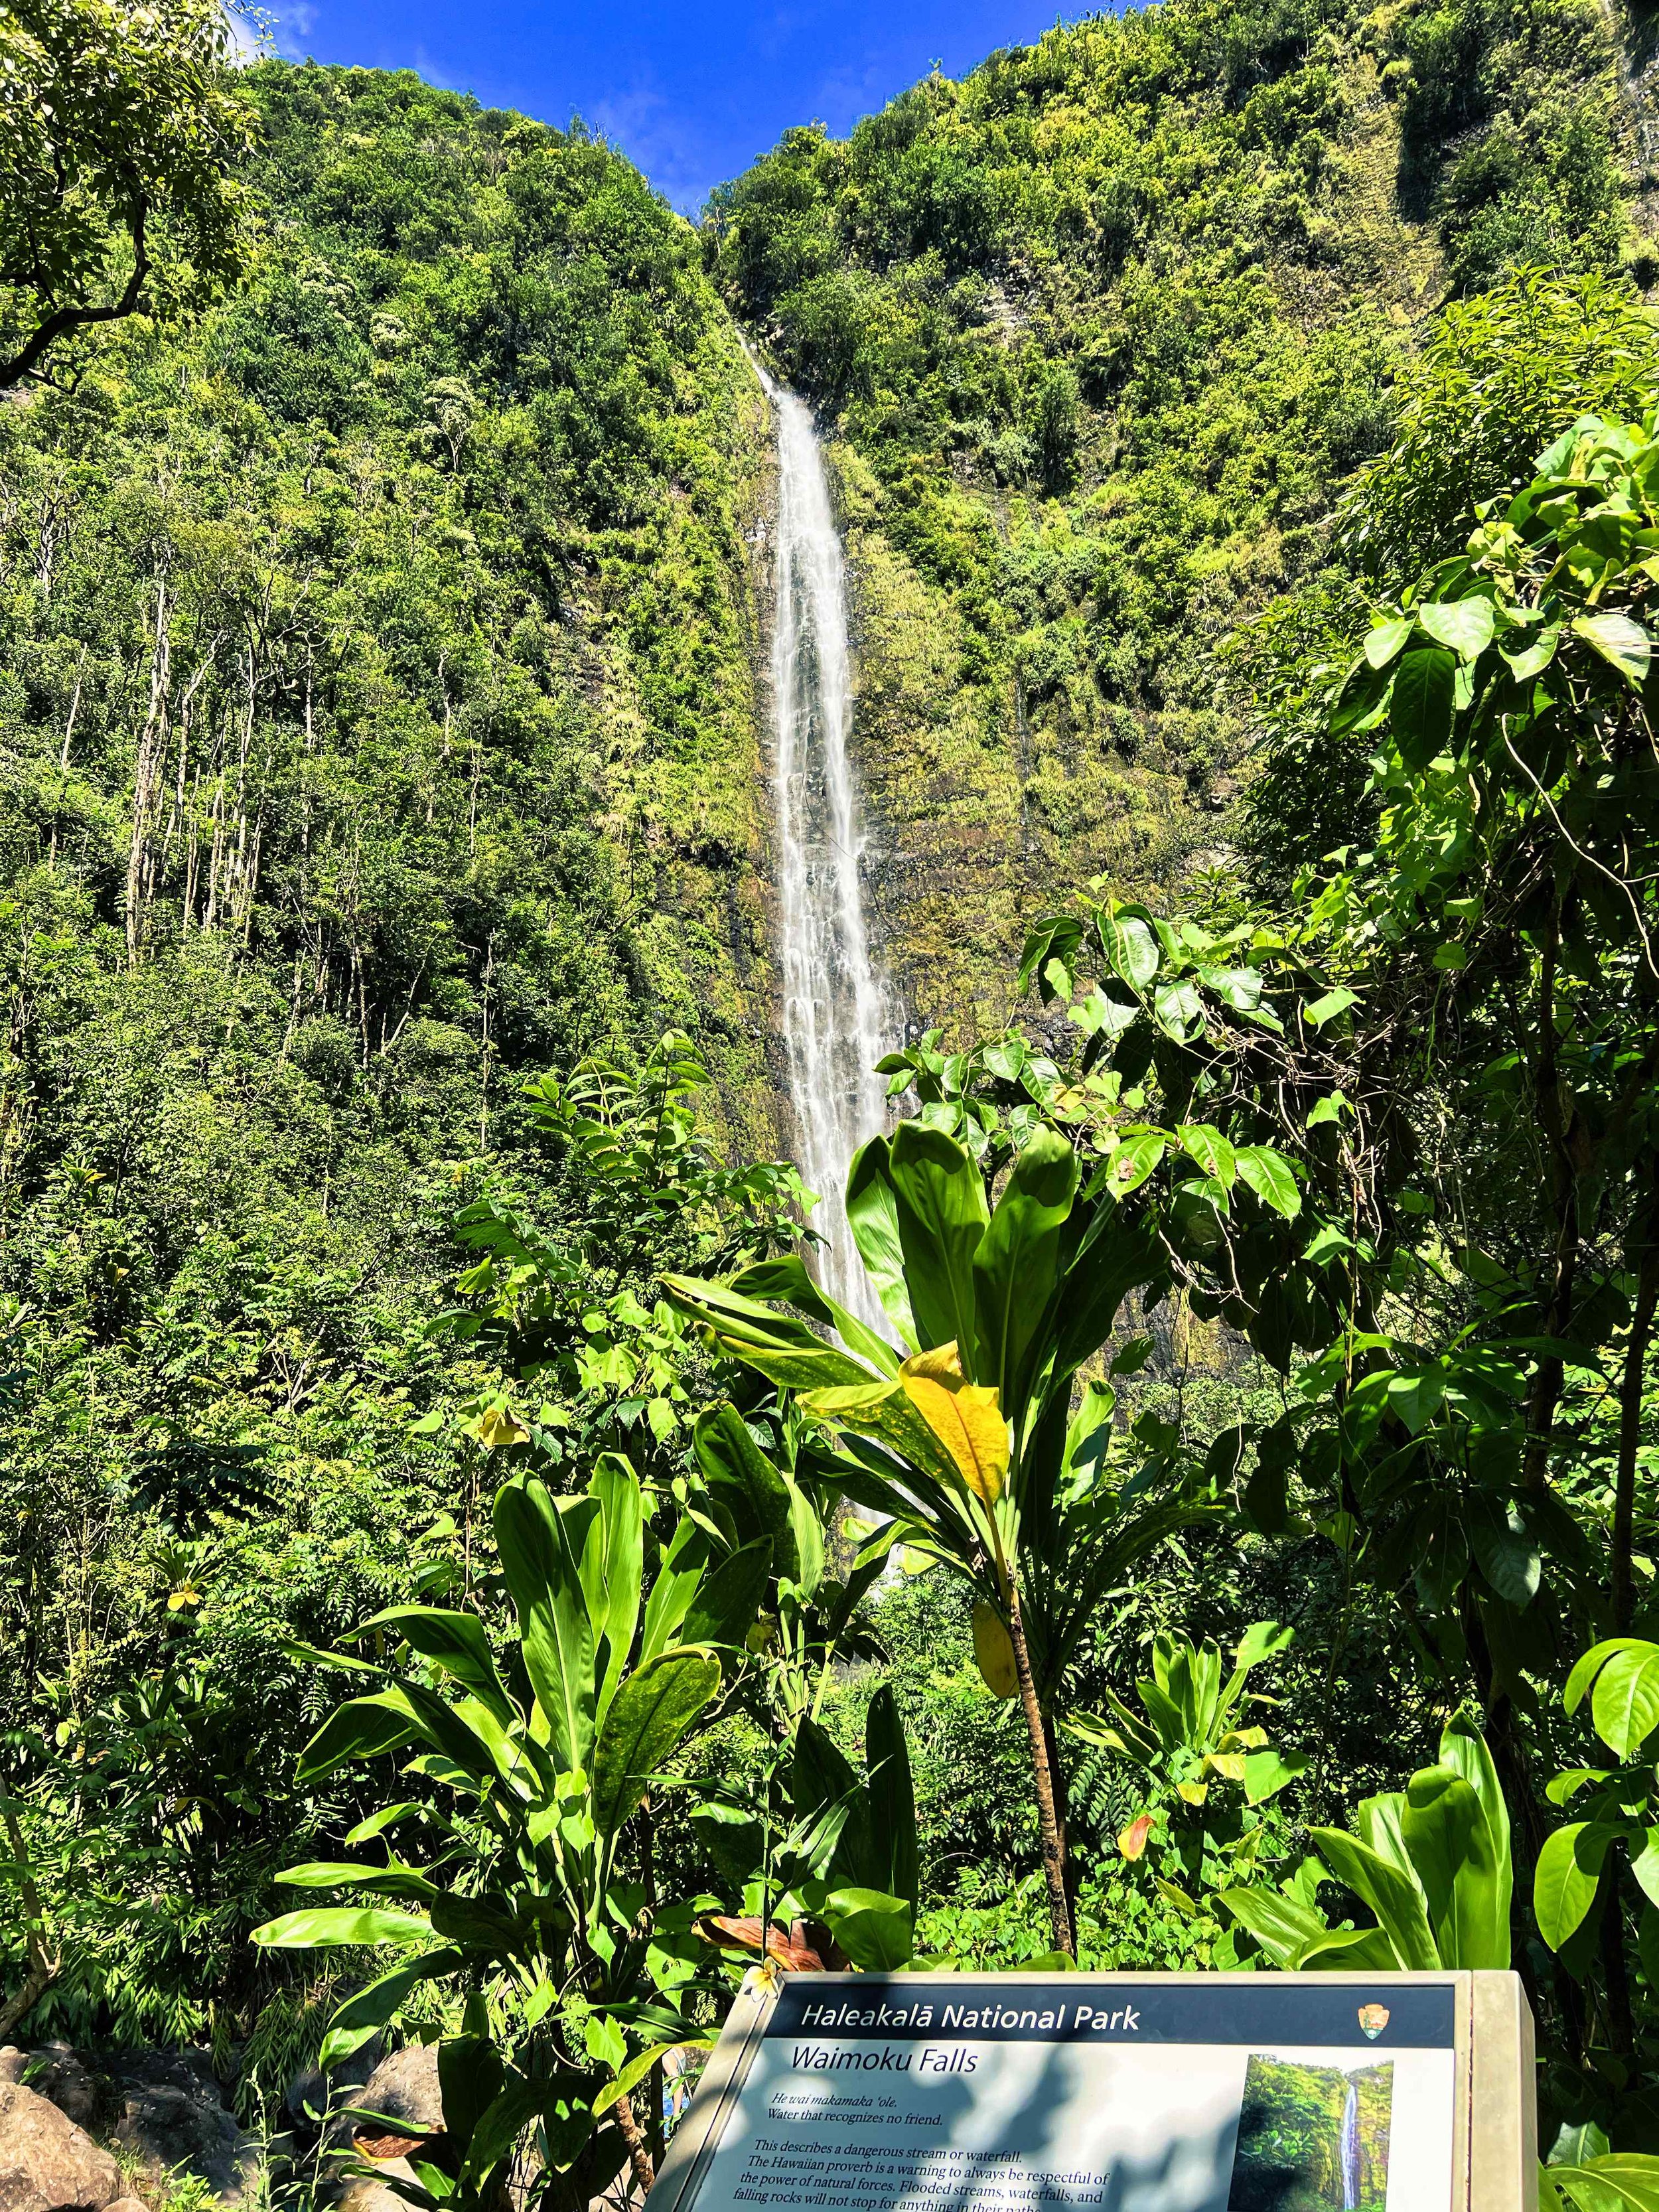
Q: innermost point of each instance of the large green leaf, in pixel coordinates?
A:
(1282, 1926)
(1483, 1908)
(743, 1323)
(872, 1216)
(455, 1642)
(942, 1216)
(892, 1795)
(1567, 1877)
(1268, 1174)
(807, 1530)
(1392, 1895)
(886, 1412)
(1619, 641)
(471, 2076)
(496, 2131)
(1586, 1669)
(828, 1793)
(362, 1727)
(726, 1605)
(1114, 1258)
(735, 1468)
(786, 1278)
(683, 1567)
(1622, 2181)
(872, 1928)
(1466, 625)
(647, 1721)
(1445, 1830)
(613, 1571)
(1269, 1770)
(469, 1736)
(366, 2011)
(1420, 713)
(336, 1874)
(1624, 1703)
(327, 1926)
(541, 1542)
(1017, 1266)
(1344, 1948)
(1129, 946)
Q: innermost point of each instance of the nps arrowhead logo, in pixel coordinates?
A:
(1373, 2019)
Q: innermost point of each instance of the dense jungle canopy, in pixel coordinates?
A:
(392, 1094)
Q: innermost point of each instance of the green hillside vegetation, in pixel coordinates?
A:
(377, 728)
(460, 1579)
(1101, 331)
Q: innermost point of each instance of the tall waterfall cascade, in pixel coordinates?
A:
(1349, 2150)
(838, 1016)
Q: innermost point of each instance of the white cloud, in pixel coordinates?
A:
(292, 28)
(659, 139)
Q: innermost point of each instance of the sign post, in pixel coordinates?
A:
(1114, 2092)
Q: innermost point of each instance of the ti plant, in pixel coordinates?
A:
(780, 1493)
(1192, 1746)
(573, 1985)
(840, 1869)
(965, 1439)
(1431, 1861)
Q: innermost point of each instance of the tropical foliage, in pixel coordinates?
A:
(398, 1284)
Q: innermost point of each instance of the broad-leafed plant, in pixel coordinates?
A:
(965, 1439)
(533, 1912)
(1205, 1767)
(1431, 1861)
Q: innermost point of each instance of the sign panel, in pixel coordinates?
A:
(1186, 2092)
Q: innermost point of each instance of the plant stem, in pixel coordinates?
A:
(1042, 1780)
(1629, 1431)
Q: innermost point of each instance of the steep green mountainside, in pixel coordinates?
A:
(376, 722)
(1101, 330)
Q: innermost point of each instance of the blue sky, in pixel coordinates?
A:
(691, 92)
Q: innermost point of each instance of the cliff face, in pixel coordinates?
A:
(1098, 333)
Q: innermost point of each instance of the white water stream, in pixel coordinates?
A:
(838, 1018)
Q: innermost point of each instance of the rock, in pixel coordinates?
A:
(47, 2164)
(58, 2073)
(170, 2114)
(127, 2204)
(405, 2088)
(358, 2193)
(12, 2063)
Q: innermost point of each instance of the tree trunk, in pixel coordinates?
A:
(42, 1969)
(638, 2156)
(1042, 1782)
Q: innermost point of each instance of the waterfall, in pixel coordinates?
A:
(1350, 2150)
(837, 1017)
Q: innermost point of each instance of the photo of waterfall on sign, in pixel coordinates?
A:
(1312, 2138)
(838, 1020)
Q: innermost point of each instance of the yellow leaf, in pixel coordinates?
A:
(993, 1649)
(965, 1417)
(942, 1364)
(1132, 1841)
(496, 1428)
(1193, 1792)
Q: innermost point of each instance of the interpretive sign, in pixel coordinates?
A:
(1159, 2093)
